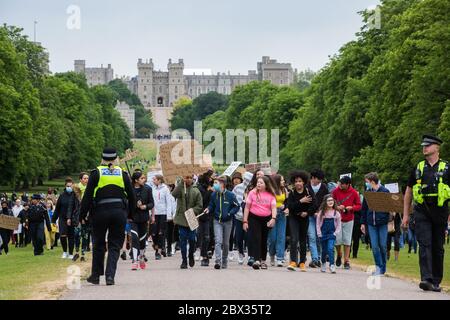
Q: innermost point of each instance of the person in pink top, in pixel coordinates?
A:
(259, 216)
(328, 225)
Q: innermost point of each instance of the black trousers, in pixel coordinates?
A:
(299, 235)
(258, 232)
(138, 237)
(170, 234)
(203, 237)
(6, 237)
(430, 232)
(37, 237)
(111, 218)
(356, 237)
(159, 231)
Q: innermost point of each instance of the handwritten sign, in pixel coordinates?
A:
(129, 155)
(9, 222)
(392, 187)
(232, 168)
(182, 158)
(264, 166)
(384, 202)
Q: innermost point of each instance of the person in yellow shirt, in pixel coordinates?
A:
(50, 235)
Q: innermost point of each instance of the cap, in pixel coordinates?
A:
(109, 154)
(36, 196)
(237, 175)
(428, 139)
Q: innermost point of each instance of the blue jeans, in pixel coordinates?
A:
(277, 236)
(378, 239)
(314, 244)
(328, 250)
(412, 240)
(186, 235)
(240, 236)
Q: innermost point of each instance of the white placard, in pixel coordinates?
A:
(230, 170)
(392, 187)
(345, 175)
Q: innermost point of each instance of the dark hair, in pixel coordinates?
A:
(4, 202)
(276, 180)
(136, 176)
(372, 176)
(269, 185)
(68, 180)
(82, 174)
(300, 174)
(345, 180)
(324, 206)
(317, 173)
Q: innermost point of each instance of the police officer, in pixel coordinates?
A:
(109, 199)
(428, 186)
(36, 215)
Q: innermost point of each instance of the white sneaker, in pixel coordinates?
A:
(231, 256)
(333, 268)
(324, 267)
(241, 259)
(197, 257)
(70, 257)
(280, 263)
(64, 255)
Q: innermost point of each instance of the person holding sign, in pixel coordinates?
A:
(428, 186)
(223, 206)
(5, 234)
(188, 197)
(377, 225)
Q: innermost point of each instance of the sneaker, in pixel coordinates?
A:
(157, 256)
(70, 257)
(224, 265)
(437, 288)
(272, 261)
(183, 265)
(134, 266)
(333, 268)
(197, 257)
(110, 281)
(169, 254)
(241, 259)
(123, 256)
(217, 266)
(312, 265)
(250, 261)
(292, 266)
(231, 256)
(191, 261)
(205, 263)
(280, 263)
(64, 255)
(93, 279)
(318, 264)
(302, 267)
(83, 259)
(264, 266)
(256, 265)
(323, 268)
(163, 253)
(75, 257)
(142, 264)
(426, 286)
(347, 265)
(338, 261)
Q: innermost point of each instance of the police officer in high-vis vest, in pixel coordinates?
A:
(428, 186)
(109, 199)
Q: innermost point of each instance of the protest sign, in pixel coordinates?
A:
(383, 201)
(232, 168)
(9, 222)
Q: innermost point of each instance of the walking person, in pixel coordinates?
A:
(412, 238)
(36, 217)
(50, 235)
(16, 209)
(25, 232)
(205, 185)
(376, 222)
(301, 203)
(109, 198)
(428, 186)
(85, 224)
(5, 234)
(328, 225)
(162, 207)
(171, 232)
(259, 216)
(140, 219)
(348, 202)
(277, 236)
(188, 197)
(222, 207)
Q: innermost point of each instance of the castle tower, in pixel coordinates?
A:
(145, 82)
(80, 66)
(176, 81)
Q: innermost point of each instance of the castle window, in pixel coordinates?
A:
(176, 89)
(145, 88)
(160, 89)
(145, 73)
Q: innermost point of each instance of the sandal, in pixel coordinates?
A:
(256, 265)
(263, 266)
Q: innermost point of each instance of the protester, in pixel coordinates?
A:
(301, 203)
(188, 197)
(16, 209)
(50, 235)
(394, 235)
(320, 189)
(328, 225)
(259, 216)
(277, 234)
(162, 208)
(348, 202)
(25, 234)
(203, 233)
(85, 224)
(377, 225)
(171, 228)
(5, 234)
(222, 207)
(412, 239)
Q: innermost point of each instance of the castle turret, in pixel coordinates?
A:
(145, 82)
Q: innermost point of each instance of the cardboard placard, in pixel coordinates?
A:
(129, 155)
(232, 168)
(9, 222)
(175, 163)
(264, 166)
(385, 202)
(191, 219)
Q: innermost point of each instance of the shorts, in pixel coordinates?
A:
(345, 236)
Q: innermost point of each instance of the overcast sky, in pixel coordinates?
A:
(220, 35)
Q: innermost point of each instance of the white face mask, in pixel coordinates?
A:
(316, 188)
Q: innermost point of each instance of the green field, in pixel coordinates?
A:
(25, 276)
(147, 155)
(407, 266)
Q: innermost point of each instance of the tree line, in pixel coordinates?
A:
(368, 107)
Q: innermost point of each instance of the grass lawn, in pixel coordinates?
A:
(407, 266)
(147, 152)
(24, 276)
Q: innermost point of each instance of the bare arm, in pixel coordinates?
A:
(407, 207)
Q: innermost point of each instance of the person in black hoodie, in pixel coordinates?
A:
(66, 206)
(205, 187)
(5, 233)
(36, 215)
(301, 203)
(139, 219)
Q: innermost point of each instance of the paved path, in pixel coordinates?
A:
(164, 280)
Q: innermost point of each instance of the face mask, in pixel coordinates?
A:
(368, 186)
(69, 189)
(316, 188)
(216, 187)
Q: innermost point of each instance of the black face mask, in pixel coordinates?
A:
(5, 210)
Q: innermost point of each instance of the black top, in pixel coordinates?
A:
(38, 214)
(296, 207)
(109, 191)
(323, 191)
(145, 195)
(206, 196)
(65, 207)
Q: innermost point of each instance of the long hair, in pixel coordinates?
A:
(324, 206)
(269, 187)
(77, 191)
(276, 181)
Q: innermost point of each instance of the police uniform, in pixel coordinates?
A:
(109, 198)
(36, 215)
(431, 192)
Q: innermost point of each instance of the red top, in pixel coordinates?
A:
(352, 199)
